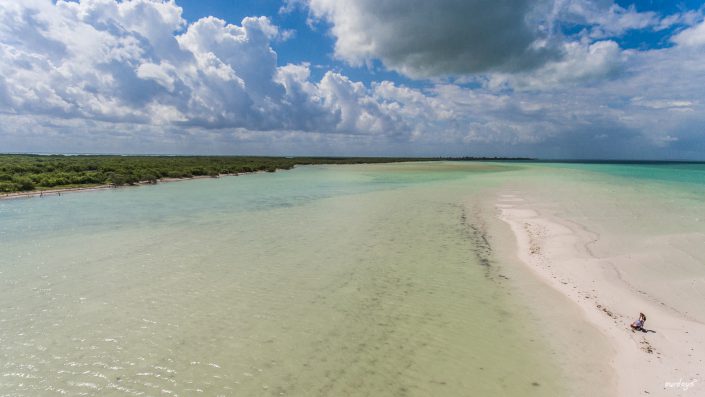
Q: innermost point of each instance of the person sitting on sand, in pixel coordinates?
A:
(639, 324)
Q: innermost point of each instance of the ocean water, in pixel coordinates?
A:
(679, 174)
(641, 199)
(319, 281)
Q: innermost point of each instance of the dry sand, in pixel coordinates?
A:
(662, 277)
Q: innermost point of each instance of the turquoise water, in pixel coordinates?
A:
(172, 203)
(678, 173)
(642, 198)
(333, 280)
(323, 280)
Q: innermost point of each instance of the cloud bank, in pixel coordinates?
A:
(498, 78)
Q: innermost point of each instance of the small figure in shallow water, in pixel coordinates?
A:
(638, 325)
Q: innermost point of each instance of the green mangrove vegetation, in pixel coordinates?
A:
(27, 172)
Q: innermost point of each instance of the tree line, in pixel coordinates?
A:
(26, 172)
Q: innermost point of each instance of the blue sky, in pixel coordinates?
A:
(539, 78)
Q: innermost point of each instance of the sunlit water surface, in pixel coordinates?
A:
(319, 281)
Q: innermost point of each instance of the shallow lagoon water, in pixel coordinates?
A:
(327, 280)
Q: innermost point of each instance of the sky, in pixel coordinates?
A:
(552, 79)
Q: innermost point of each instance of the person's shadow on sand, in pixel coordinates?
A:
(646, 331)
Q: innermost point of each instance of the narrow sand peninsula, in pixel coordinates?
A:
(659, 279)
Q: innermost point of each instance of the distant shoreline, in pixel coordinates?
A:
(31, 175)
(27, 175)
(57, 192)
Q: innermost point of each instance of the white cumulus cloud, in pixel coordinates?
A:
(139, 62)
(691, 37)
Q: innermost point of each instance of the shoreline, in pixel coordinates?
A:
(57, 192)
(667, 360)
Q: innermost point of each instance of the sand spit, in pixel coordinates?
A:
(666, 360)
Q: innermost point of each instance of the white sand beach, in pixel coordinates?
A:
(613, 275)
